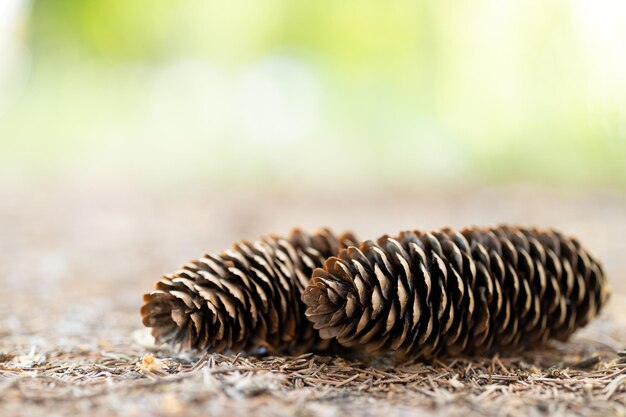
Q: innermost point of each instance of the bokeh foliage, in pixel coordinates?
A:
(402, 92)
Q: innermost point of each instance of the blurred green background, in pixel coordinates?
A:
(276, 93)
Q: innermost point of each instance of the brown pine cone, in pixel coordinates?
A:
(246, 298)
(477, 291)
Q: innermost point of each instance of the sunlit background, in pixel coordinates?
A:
(275, 93)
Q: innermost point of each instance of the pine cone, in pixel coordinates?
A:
(245, 298)
(445, 293)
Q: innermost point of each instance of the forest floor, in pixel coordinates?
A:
(74, 263)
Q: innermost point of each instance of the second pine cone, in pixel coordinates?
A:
(247, 298)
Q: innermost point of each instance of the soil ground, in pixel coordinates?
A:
(74, 263)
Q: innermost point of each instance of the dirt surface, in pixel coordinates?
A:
(74, 263)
